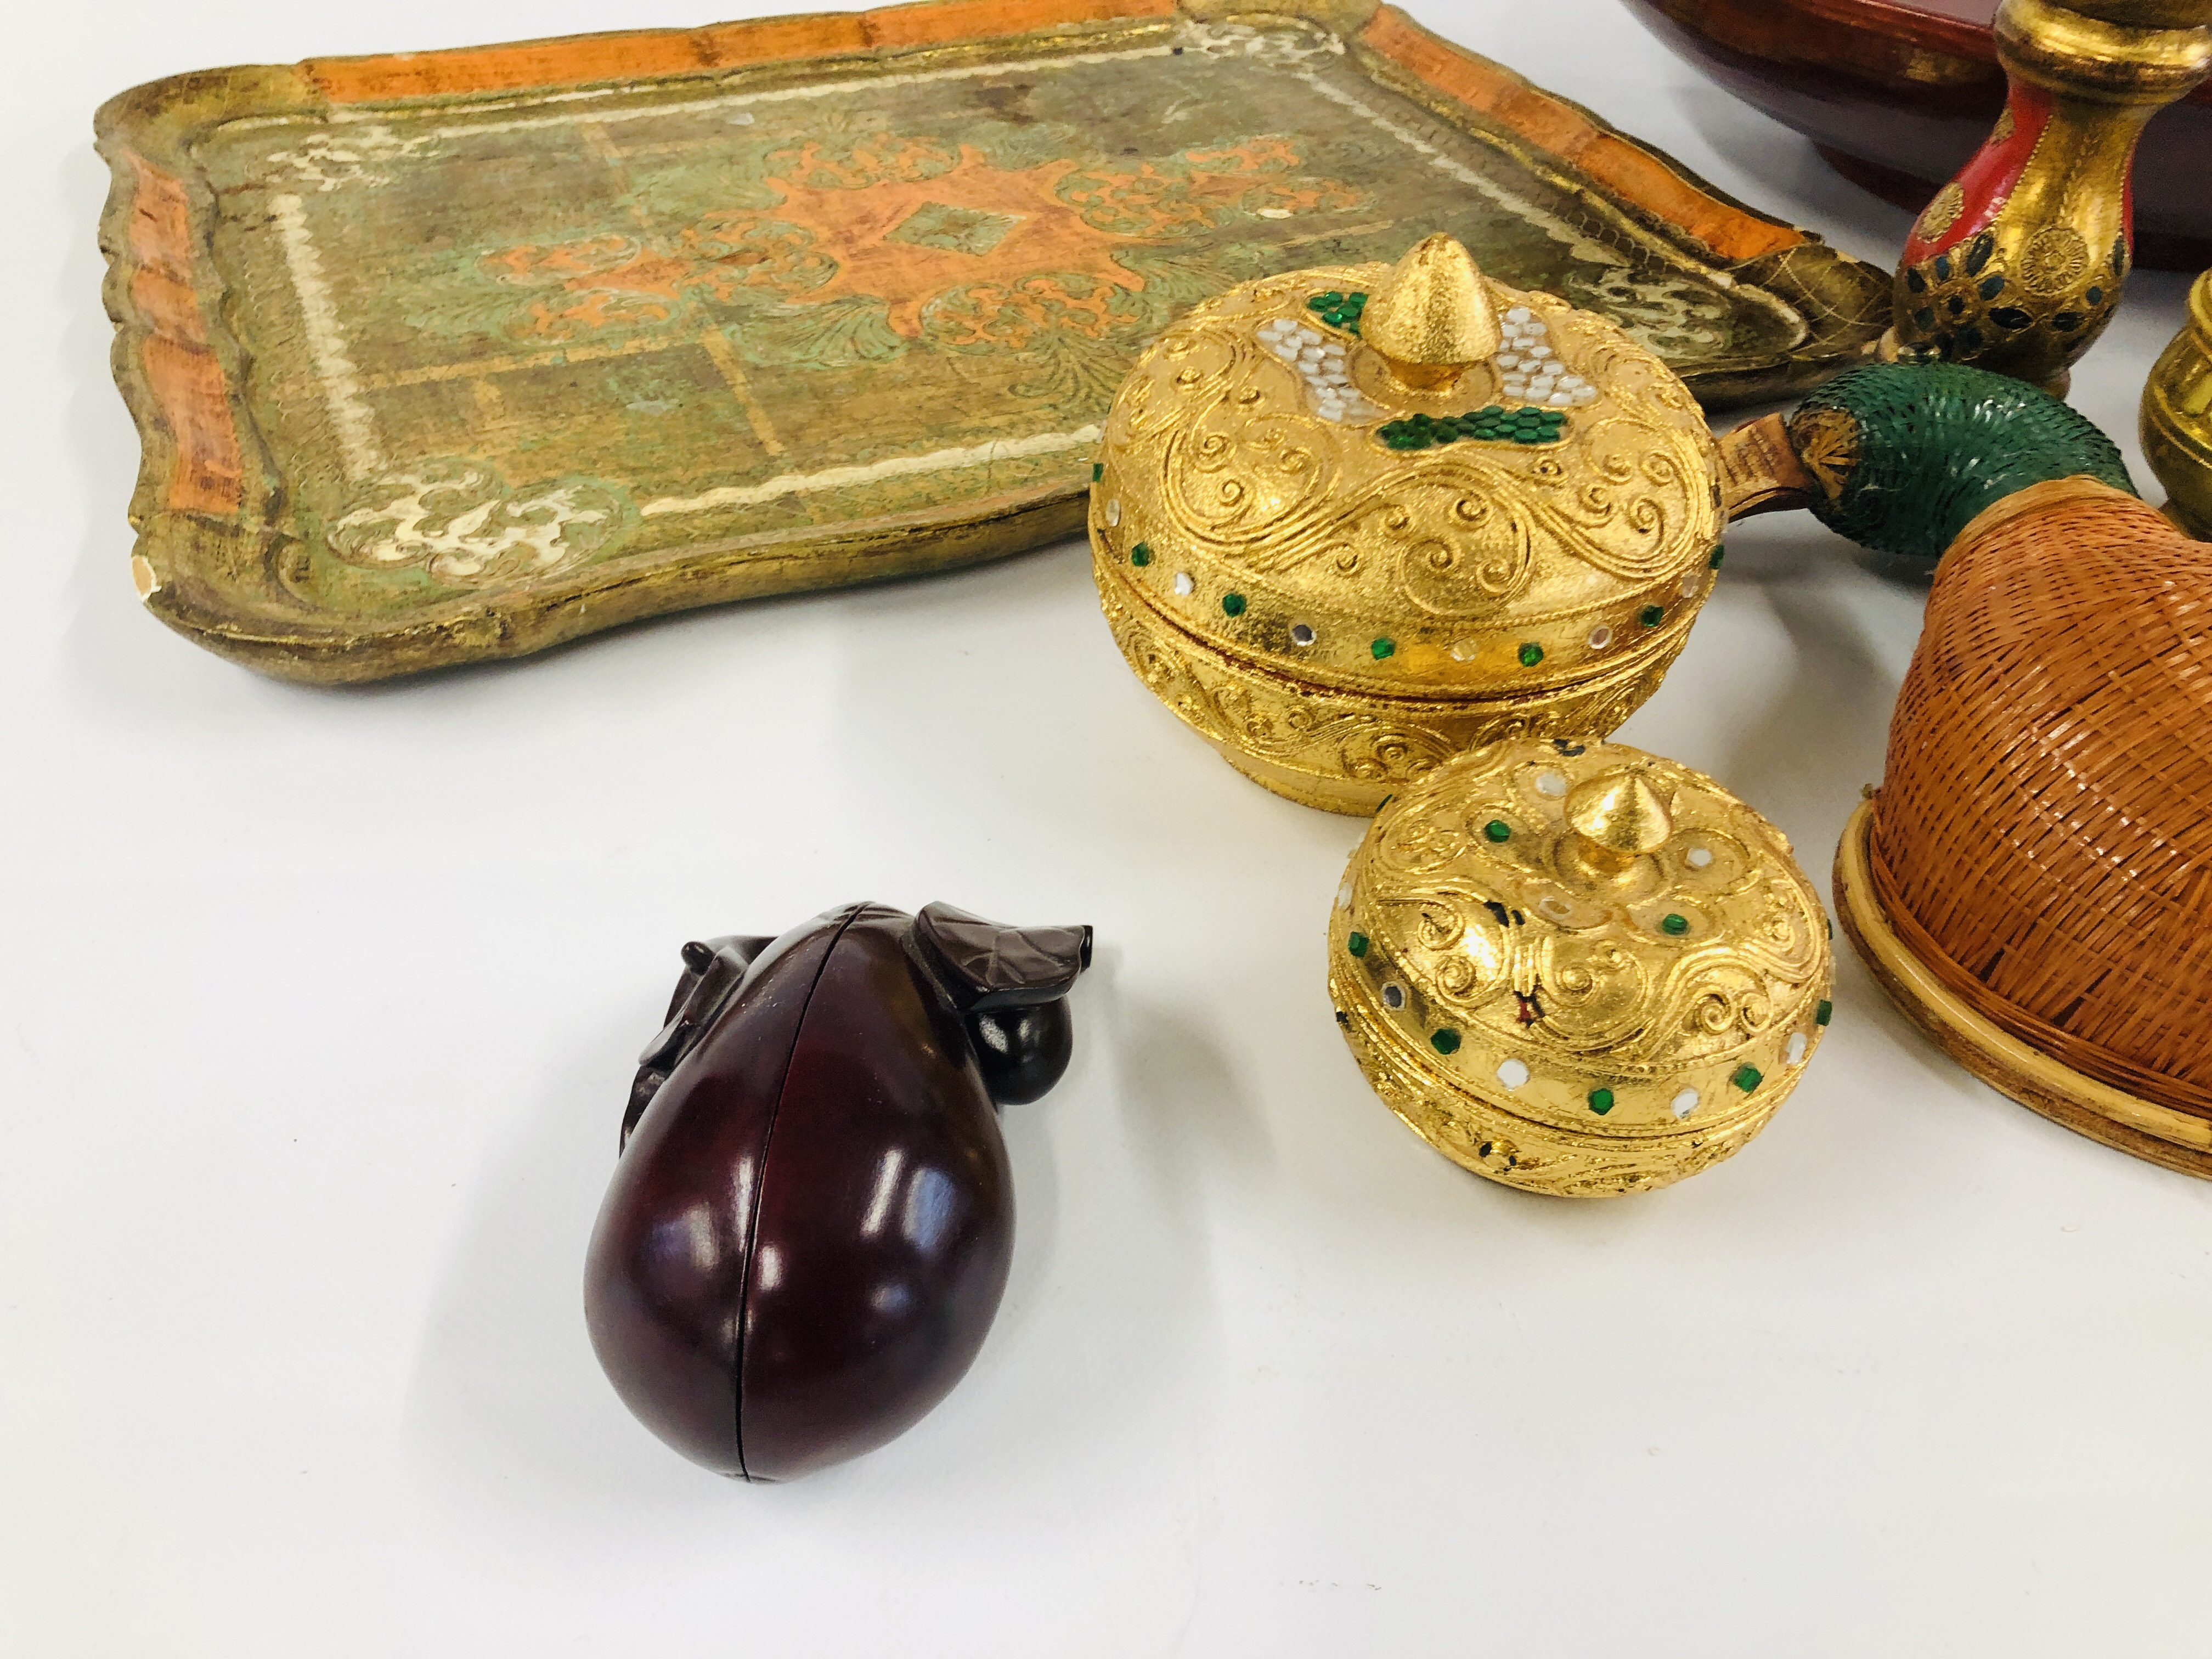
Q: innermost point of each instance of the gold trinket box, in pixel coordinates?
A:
(1348, 522)
(1578, 969)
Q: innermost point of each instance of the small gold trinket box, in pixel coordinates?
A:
(1349, 522)
(1578, 969)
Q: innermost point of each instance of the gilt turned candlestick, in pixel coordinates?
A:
(2177, 418)
(2018, 262)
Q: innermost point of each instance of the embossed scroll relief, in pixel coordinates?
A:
(1353, 521)
(1578, 969)
(447, 357)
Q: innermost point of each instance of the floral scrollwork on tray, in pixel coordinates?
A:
(1026, 246)
(461, 522)
(352, 155)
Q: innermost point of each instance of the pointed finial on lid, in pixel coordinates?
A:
(1621, 813)
(1432, 316)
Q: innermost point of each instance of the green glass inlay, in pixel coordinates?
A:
(1383, 649)
(1825, 1012)
(1671, 923)
(1357, 944)
(1098, 471)
(1652, 615)
(1714, 562)
(1746, 1077)
(1531, 654)
(1140, 555)
(1525, 425)
(1600, 1101)
(1338, 310)
(1232, 604)
(1497, 830)
(1445, 1042)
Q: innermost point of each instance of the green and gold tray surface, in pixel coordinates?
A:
(445, 356)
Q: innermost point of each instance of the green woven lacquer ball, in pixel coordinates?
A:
(1914, 451)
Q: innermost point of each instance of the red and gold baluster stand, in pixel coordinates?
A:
(2017, 264)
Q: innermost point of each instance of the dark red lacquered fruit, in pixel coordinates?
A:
(808, 1227)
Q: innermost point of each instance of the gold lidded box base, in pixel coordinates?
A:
(1578, 969)
(1342, 566)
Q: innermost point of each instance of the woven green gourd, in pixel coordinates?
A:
(1920, 449)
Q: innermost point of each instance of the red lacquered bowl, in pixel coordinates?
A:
(1895, 97)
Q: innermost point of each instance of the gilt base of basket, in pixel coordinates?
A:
(2141, 1128)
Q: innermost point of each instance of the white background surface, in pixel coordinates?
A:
(320, 1007)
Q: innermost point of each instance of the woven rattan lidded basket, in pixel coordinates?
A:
(2032, 883)
(1350, 521)
(1578, 969)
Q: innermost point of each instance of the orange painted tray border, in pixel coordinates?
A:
(1635, 174)
(202, 465)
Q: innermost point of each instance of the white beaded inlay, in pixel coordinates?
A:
(1685, 1103)
(1512, 1074)
(1184, 583)
(1530, 371)
(1797, 1046)
(1698, 857)
(1692, 581)
(1113, 511)
(1553, 784)
(1600, 637)
(1321, 363)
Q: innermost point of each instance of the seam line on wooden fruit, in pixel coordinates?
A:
(752, 1216)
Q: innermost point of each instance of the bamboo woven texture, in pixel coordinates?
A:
(2043, 838)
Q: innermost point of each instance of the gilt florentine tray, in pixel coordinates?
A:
(451, 356)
